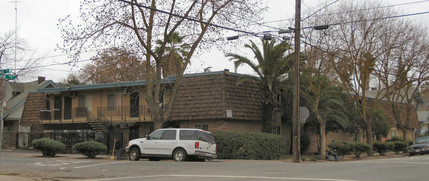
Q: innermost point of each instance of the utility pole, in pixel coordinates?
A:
(2, 97)
(296, 90)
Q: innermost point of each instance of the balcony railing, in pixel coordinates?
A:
(113, 114)
(124, 113)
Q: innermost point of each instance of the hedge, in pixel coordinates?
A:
(382, 147)
(249, 145)
(399, 146)
(49, 147)
(358, 148)
(341, 147)
(90, 148)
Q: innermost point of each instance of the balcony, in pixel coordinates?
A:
(105, 114)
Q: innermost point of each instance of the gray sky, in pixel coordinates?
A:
(37, 24)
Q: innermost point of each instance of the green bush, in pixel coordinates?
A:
(49, 147)
(399, 146)
(410, 142)
(358, 147)
(382, 147)
(341, 147)
(90, 148)
(249, 145)
(395, 138)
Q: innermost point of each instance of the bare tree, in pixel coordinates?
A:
(137, 25)
(404, 69)
(360, 39)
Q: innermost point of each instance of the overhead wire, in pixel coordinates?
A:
(246, 32)
(373, 19)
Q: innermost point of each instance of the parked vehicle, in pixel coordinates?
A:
(176, 143)
(420, 146)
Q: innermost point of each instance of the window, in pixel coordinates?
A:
(156, 135)
(81, 110)
(163, 135)
(81, 101)
(169, 135)
(202, 126)
(67, 107)
(111, 102)
(393, 133)
(206, 137)
(188, 135)
(275, 130)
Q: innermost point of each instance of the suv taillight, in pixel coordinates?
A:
(197, 144)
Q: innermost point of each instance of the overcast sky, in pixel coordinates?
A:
(37, 24)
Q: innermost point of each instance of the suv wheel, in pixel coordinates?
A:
(134, 154)
(179, 155)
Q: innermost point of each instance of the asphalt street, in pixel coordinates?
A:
(75, 167)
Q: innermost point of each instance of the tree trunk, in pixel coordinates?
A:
(267, 116)
(322, 142)
(370, 140)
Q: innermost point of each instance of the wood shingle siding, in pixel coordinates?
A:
(210, 96)
(34, 103)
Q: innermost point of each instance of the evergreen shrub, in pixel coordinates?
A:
(358, 147)
(249, 145)
(90, 148)
(341, 147)
(399, 146)
(382, 147)
(49, 147)
(395, 138)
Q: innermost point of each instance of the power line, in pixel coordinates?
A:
(320, 9)
(358, 21)
(387, 6)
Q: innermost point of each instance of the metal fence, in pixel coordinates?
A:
(22, 140)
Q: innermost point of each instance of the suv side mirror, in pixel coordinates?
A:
(147, 137)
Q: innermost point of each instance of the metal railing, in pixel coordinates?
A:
(111, 113)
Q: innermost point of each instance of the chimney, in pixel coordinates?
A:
(40, 80)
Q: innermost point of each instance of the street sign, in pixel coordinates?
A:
(7, 76)
(4, 71)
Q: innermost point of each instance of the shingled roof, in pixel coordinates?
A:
(387, 109)
(209, 96)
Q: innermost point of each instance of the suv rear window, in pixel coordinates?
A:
(196, 135)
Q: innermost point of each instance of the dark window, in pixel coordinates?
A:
(202, 126)
(169, 135)
(57, 105)
(188, 135)
(67, 107)
(206, 137)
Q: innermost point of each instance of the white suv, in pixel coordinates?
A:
(178, 143)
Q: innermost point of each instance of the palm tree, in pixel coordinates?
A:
(271, 67)
(327, 104)
(173, 57)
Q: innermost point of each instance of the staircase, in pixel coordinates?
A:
(96, 124)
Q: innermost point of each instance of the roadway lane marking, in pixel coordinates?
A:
(224, 176)
(94, 165)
